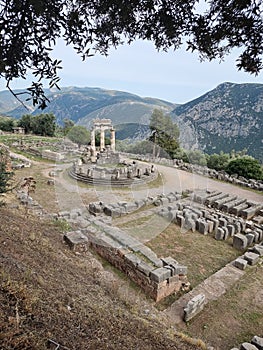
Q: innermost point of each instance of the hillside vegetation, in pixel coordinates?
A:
(85, 104)
(49, 294)
(226, 118)
(229, 117)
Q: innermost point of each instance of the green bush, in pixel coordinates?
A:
(247, 167)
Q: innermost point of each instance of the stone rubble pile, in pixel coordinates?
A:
(123, 208)
(255, 344)
(32, 205)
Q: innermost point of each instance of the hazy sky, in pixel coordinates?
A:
(176, 76)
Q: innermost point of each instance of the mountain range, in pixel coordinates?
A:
(229, 117)
(225, 118)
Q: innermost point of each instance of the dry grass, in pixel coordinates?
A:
(48, 292)
(203, 255)
(44, 193)
(235, 317)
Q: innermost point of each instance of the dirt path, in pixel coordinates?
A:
(172, 180)
(179, 180)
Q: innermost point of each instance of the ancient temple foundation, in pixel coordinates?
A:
(104, 166)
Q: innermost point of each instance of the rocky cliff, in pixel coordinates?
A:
(228, 117)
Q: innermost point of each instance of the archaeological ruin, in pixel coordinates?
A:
(104, 166)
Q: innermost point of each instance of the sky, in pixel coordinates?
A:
(175, 76)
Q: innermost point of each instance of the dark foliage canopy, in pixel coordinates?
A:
(247, 167)
(164, 132)
(42, 124)
(30, 28)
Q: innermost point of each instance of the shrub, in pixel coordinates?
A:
(247, 167)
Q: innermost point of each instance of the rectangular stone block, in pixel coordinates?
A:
(248, 346)
(169, 261)
(193, 307)
(248, 213)
(252, 258)
(202, 227)
(216, 223)
(219, 234)
(239, 241)
(258, 342)
(210, 226)
(222, 222)
(240, 263)
(231, 230)
(258, 249)
(250, 238)
(145, 268)
(76, 240)
(237, 209)
(180, 220)
(132, 259)
(180, 270)
(256, 236)
(160, 274)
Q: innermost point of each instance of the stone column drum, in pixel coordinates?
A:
(102, 139)
(112, 140)
(92, 140)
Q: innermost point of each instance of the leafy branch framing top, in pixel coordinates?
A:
(30, 28)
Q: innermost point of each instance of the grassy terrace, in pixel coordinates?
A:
(203, 255)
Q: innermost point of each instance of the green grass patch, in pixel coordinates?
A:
(203, 255)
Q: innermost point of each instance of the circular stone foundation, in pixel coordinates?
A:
(122, 174)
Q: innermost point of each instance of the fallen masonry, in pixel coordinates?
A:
(255, 344)
(212, 212)
(194, 306)
(203, 170)
(123, 208)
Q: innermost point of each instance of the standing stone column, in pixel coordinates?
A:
(102, 139)
(92, 140)
(112, 140)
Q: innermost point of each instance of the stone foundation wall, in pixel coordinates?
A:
(157, 277)
(154, 281)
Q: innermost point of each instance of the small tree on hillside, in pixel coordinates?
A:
(43, 124)
(68, 125)
(26, 122)
(164, 133)
(218, 161)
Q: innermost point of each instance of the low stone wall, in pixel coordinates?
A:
(201, 170)
(56, 156)
(5, 156)
(123, 208)
(157, 277)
